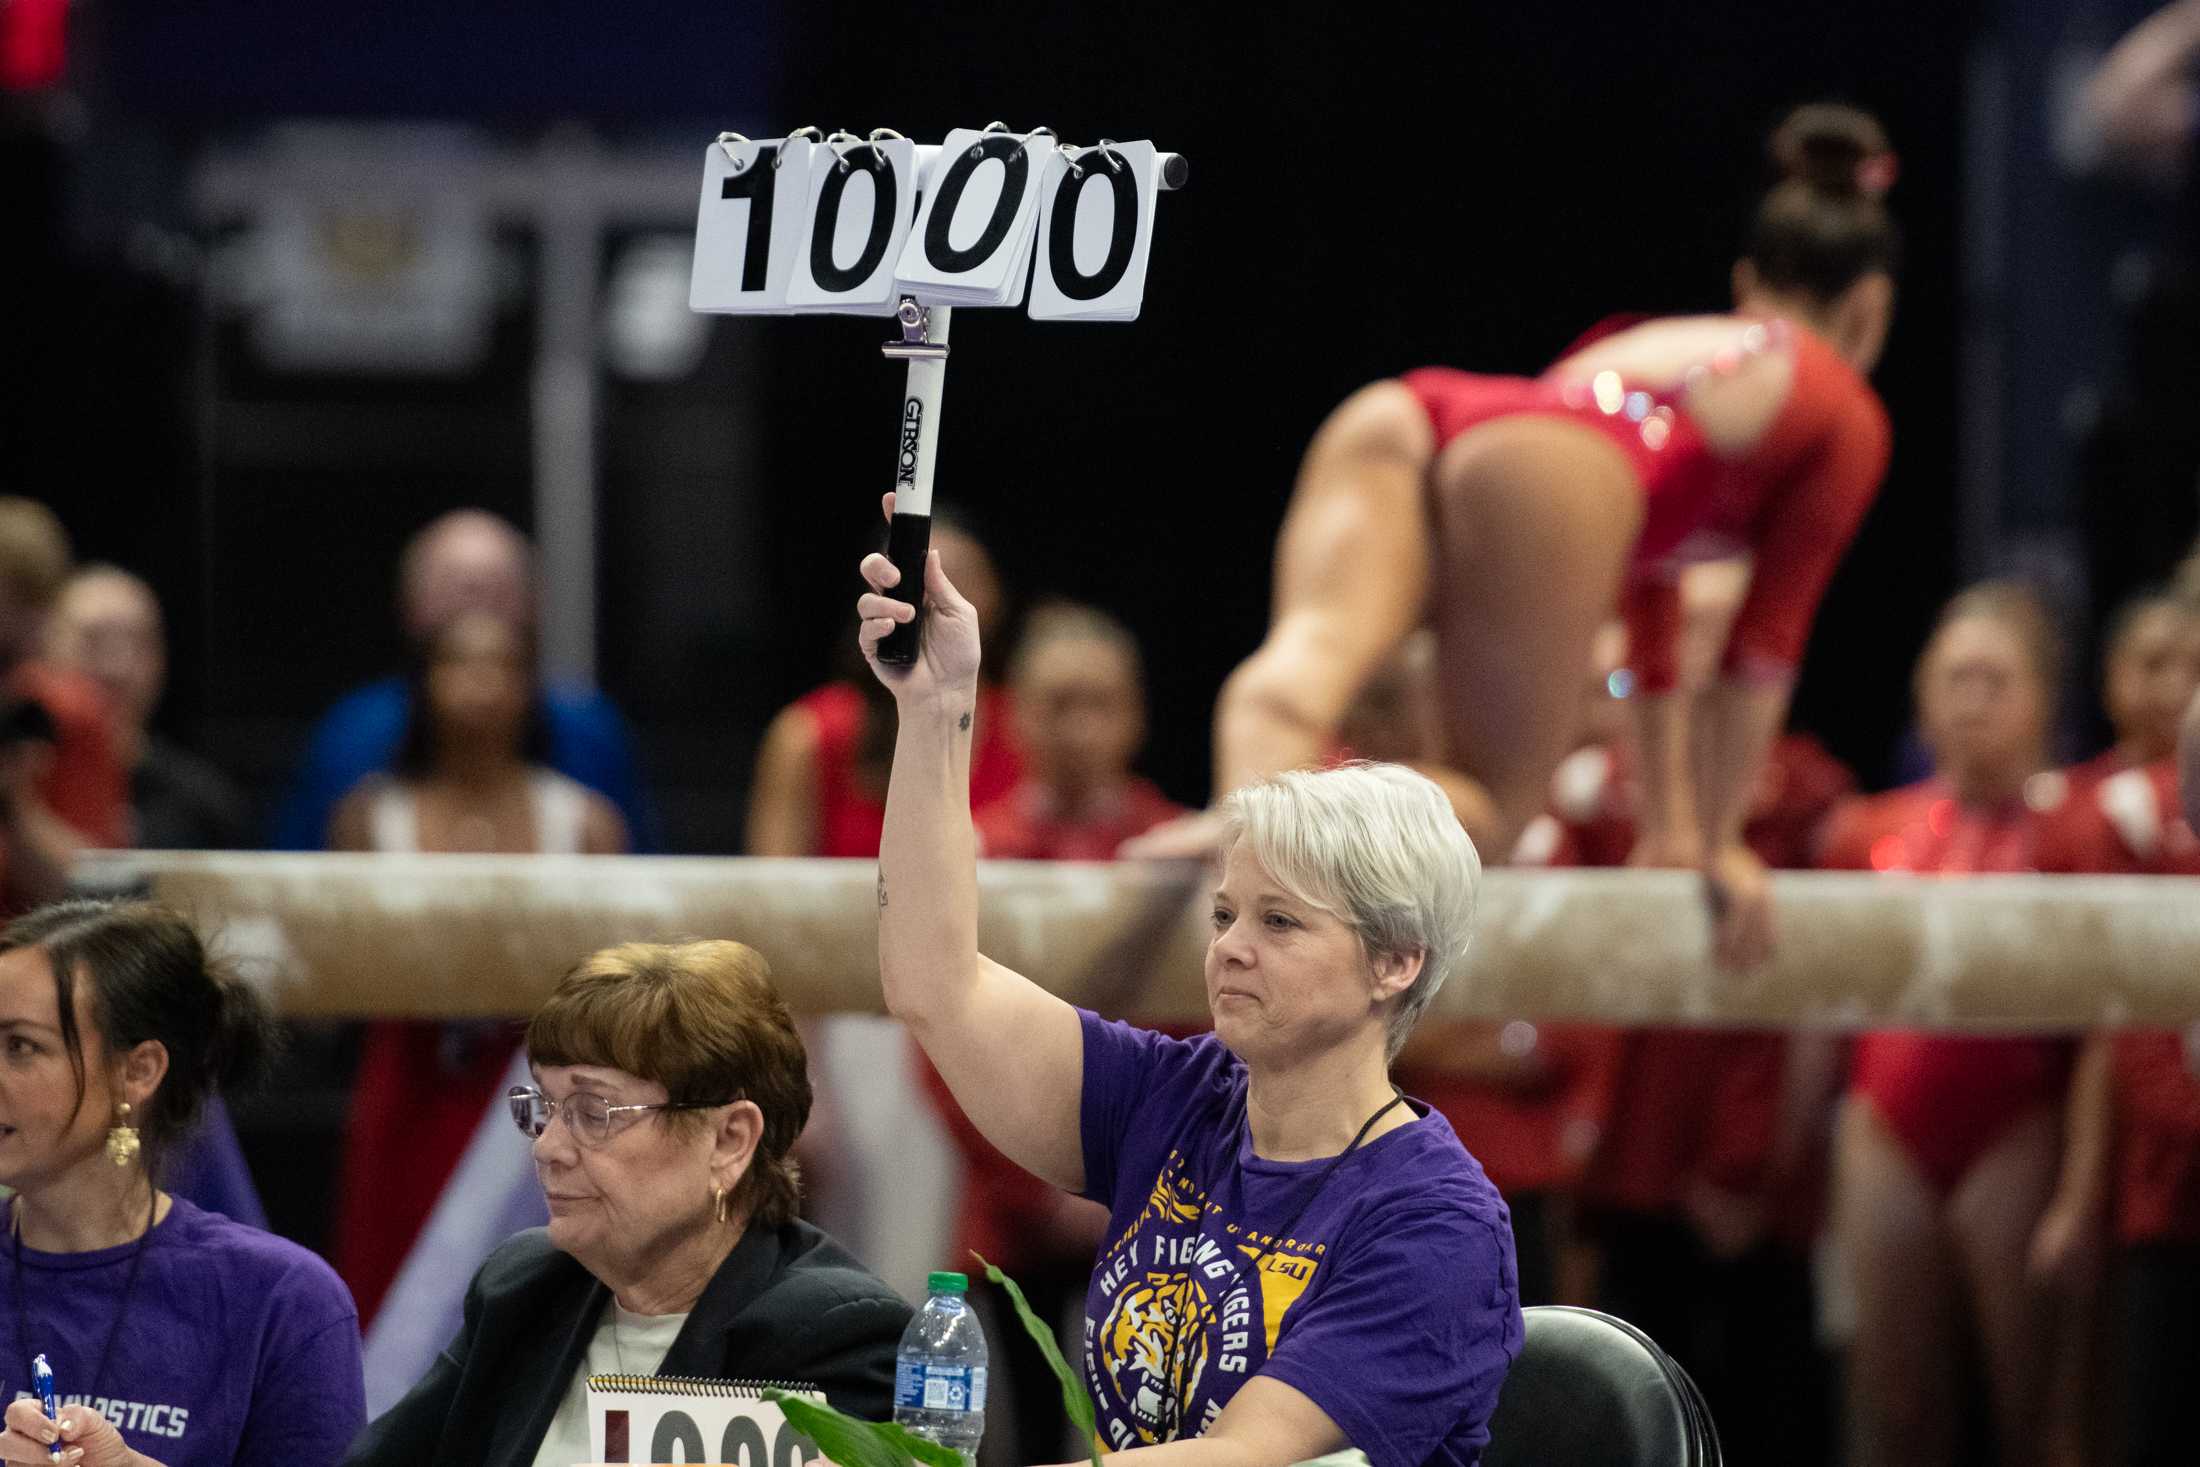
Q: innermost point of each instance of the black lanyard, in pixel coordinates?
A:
(1183, 1334)
(114, 1331)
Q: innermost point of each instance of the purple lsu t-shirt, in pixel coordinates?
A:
(1393, 1304)
(236, 1346)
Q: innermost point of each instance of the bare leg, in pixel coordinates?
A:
(1352, 575)
(1535, 519)
(1991, 1217)
(1905, 1358)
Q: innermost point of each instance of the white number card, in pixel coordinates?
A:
(1095, 231)
(635, 1418)
(971, 241)
(849, 225)
(749, 224)
(862, 196)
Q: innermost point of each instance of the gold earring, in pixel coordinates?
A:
(122, 1140)
(719, 1200)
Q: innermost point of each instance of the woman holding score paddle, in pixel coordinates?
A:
(1299, 1258)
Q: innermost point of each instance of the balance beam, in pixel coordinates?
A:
(434, 937)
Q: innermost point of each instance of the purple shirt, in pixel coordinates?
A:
(236, 1346)
(1392, 1305)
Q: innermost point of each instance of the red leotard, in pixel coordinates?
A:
(1025, 824)
(84, 784)
(1693, 1106)
(418, 1098)
(2129, 821)
(2085, 778)
(1949, 1097)
(2157, 1085)
(850, 819)
(1794, 501)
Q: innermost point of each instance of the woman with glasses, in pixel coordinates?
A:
(669, 1086)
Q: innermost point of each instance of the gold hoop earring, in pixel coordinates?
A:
(720, 1203)
(122, 1139)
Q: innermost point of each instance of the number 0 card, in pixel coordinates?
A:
(1095, 232)
(862, 197)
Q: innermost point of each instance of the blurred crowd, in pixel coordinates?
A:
(1981, 1238)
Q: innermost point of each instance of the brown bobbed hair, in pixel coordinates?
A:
(703, 1020)
(1825, 225)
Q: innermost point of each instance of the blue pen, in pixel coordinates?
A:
(42, 1377)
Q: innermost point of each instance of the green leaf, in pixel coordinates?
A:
(850, 1441)
(1074, 1399)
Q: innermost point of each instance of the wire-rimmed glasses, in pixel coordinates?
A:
(589, 1116)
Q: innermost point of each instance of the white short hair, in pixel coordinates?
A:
(1380, 848)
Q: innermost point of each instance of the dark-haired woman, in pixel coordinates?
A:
(472, 773)
(470, 777)
(1510, 512)
(174, 1336)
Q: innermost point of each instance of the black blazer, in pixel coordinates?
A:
(788, 1303)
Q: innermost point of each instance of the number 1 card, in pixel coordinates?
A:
(750, 220)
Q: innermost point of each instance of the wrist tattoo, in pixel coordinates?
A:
(964, 723)
(882, 890)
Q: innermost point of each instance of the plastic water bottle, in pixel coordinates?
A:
(939, 1374)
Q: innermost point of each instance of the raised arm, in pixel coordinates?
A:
(1678, 621)
(2143, 98)
(1012, 1053)
(1800, 538)
(37, 847)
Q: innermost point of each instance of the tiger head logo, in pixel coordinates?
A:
(1153, 1350)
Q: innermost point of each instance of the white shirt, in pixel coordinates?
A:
(624, 1344)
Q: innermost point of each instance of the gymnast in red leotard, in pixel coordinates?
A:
(1510, 513)
(1948, 1148)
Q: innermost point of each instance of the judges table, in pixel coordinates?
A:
(338, 936)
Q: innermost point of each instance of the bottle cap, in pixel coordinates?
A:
(946, 1283)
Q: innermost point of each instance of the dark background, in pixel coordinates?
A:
(1372, 189)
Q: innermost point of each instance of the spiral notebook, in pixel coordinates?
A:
(676, 1418)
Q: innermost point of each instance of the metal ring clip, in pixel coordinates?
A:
(1107, 151)
(878, 152)
(727, 142)
(1076, 169)
(812, 133)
